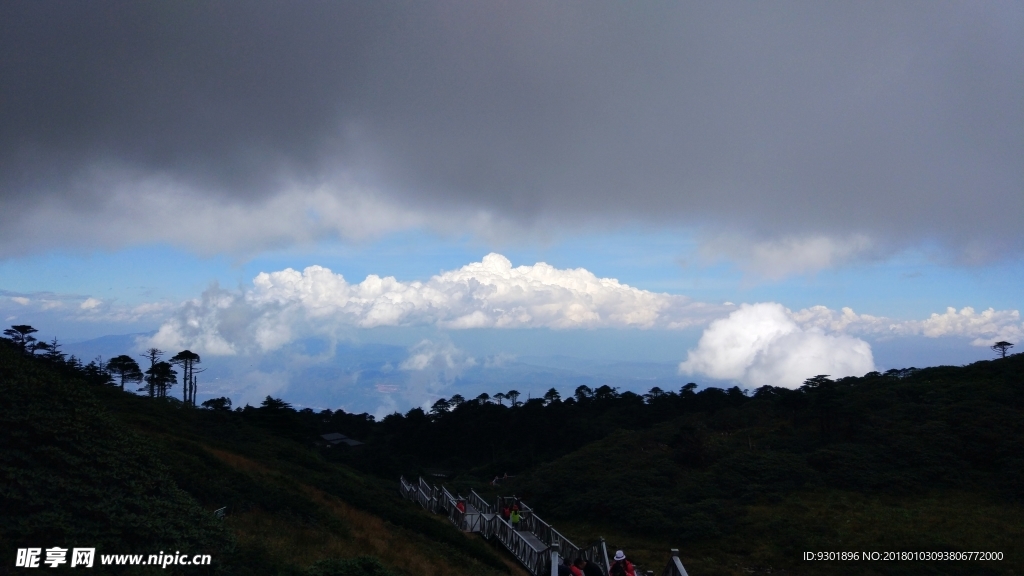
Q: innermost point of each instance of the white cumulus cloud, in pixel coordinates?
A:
(491, 293)
(984, 328)
(767, 343)
(763, 344)
(486, 294)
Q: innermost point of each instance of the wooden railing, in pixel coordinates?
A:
(475, 523)
(406, 489)
(491, 525)
(422, 493)
(596, 552)
(538, 562)
(426, 488)
(674, 566)
(479, 503)
(425, 500)
(446, 497)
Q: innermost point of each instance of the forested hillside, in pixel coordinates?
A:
(742, 482)
(86, 465)
(929, 459)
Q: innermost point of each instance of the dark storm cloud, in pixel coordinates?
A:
(902, 121)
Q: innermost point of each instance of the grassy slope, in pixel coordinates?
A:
(72, 475)
(92, 466)
(931, 462)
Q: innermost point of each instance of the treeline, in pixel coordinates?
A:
(481, 438)
(509, 434)
(95, 372)
(157, 380)
(162, 375)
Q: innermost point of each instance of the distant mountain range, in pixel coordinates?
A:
(369, 377)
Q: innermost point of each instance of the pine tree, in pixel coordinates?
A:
(159, 378)
(21, 334)
(125, 368)
(1001, 348)
(187, 360)
(153, 354)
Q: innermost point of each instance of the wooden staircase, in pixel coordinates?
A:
(535, 544)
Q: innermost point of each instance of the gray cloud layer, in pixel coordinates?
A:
(901, 122)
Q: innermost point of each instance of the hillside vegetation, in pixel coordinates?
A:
(83, 465)
(910, 460)
(742, 482)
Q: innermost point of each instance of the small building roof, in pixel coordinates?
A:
(334, 439)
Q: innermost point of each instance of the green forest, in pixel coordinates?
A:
(741, 482)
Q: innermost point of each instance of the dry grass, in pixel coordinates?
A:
(238, 462)
(364, 534)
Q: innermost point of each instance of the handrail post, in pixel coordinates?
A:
(676, 565)
(604, 552)
(554, 559)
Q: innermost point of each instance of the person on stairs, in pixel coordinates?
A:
(515, 518)
(621, 566)
(592, 569)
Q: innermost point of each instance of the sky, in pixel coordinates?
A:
(374, 205)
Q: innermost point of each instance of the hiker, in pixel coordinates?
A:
(591, 568)
(621, 566)
(563, 567)
(577, 567)
(515, 518)
(506, 512)
(461, 505)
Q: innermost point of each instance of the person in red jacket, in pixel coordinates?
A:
(621, 566)
(592, 569)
